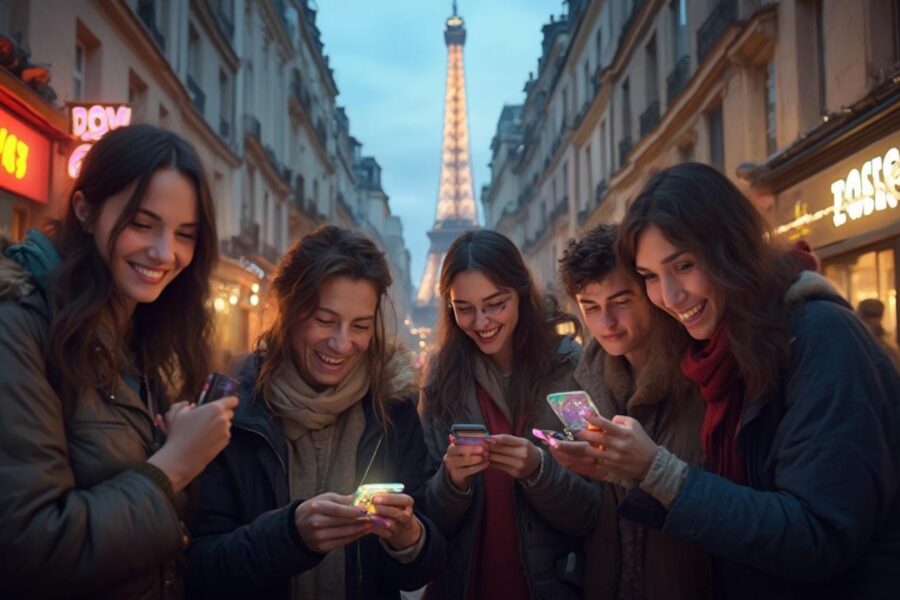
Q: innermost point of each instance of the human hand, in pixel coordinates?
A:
(395, 521)
(462, 462)
(621, 445)
(196, 434)
(328, 521)
(515, 456)
(573, 456)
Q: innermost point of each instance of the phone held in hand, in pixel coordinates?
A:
(367, 492)
(573, 408)
(217, 386)
(468, 434)
(548, 436)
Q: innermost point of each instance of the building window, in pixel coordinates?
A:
(598, 44)
(137, 97)
(194, 56)
(820, 57)
(226, 104)
(587, 81)
(678, 11)
(716, 138)
(78, 71)
(771, 127)
(626, 109)
(652, 92)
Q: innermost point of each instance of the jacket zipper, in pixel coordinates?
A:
(268, 443)
(359, 572)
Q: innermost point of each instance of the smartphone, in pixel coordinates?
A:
(468, 434)
(217, 386)
(548, 436)
(366, 492)
(573, 408)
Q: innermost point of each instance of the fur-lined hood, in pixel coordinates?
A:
(26, 265)
(400, 377)
(810, 285)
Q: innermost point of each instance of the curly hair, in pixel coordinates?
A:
(589, 259)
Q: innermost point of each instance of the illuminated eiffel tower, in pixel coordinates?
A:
(455, 212)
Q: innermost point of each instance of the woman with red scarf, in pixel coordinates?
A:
(801, 435)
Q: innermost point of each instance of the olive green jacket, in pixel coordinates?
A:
(76, 518)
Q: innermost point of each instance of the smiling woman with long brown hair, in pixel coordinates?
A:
(328, 404)
(513, 515)
(103, 321)
(800, 497)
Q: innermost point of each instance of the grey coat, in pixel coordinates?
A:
(552, 516)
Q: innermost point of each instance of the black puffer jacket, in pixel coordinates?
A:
(245, 543)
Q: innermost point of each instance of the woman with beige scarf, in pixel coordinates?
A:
(328, 405)
(513, 516)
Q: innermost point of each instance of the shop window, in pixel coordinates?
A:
(868, 275)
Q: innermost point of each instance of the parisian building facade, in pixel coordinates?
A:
(247, 82)
(795, 100)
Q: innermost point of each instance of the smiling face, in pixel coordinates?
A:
(156, 245)
(618, 315)
(677, 283)
(487, 314)
(329, 343)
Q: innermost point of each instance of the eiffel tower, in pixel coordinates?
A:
(455, 212)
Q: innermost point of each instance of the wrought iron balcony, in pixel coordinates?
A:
(252, 127)
(677, 79)
(624, 149)
(723, 14)
(198, 98)
(650, 118)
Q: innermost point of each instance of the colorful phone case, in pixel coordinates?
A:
(548, 436)
(573, 408)
(463, 434)
(366, 492)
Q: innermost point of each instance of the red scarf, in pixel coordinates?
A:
(497, 570)
(713, 368)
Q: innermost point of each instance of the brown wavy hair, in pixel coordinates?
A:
(701, 211)
(450, 371)
(329, 251)
(169, 337)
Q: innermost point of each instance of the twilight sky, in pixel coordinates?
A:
(389, 60)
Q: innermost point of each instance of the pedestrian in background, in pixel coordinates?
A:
(327, 404)
(871, 311)
(801, 433)
(514, 517)
(104, 321)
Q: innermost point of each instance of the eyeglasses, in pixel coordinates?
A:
(467, 313)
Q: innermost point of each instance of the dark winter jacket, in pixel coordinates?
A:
(820, 515)
(244, 540)
(77, 517)
(670, 410)
(553, 516)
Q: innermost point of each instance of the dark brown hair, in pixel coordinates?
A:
(450, 372)
(327, 252)
(699, 210)
(589, 259)
(169, 337)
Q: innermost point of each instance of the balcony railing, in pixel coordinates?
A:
(146, 11)
(198, 98)
(650, 118)
(624, 149)
(677, 79)
(722, 15)
(252, 127)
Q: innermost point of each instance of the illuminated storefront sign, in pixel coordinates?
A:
(24, 159)
(873, 187)
(90, 122)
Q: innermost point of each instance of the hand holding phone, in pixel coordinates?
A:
(467, 453)
(365, 494)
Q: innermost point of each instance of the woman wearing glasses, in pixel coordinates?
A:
(512, 515)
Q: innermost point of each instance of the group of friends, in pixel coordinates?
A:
(746, 442)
